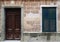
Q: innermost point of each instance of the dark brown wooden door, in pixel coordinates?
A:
(13, 23)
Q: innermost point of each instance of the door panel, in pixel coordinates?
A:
(52, 25)
(49, 19)
(46, 25)
(45, 20)
(13, 23)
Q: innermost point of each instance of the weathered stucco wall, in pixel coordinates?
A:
(32, 21)
(58, 15)
(41, 37)
(31, 13)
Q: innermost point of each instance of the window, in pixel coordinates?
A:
(49, 19)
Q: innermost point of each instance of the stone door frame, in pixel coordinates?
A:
(3, 20)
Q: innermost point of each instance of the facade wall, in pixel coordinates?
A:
(31, 23)
(32, 16)
(58, 15)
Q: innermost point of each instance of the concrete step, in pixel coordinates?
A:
(12, 41)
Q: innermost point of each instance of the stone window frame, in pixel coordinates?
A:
(56, 17)
(3, 20)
